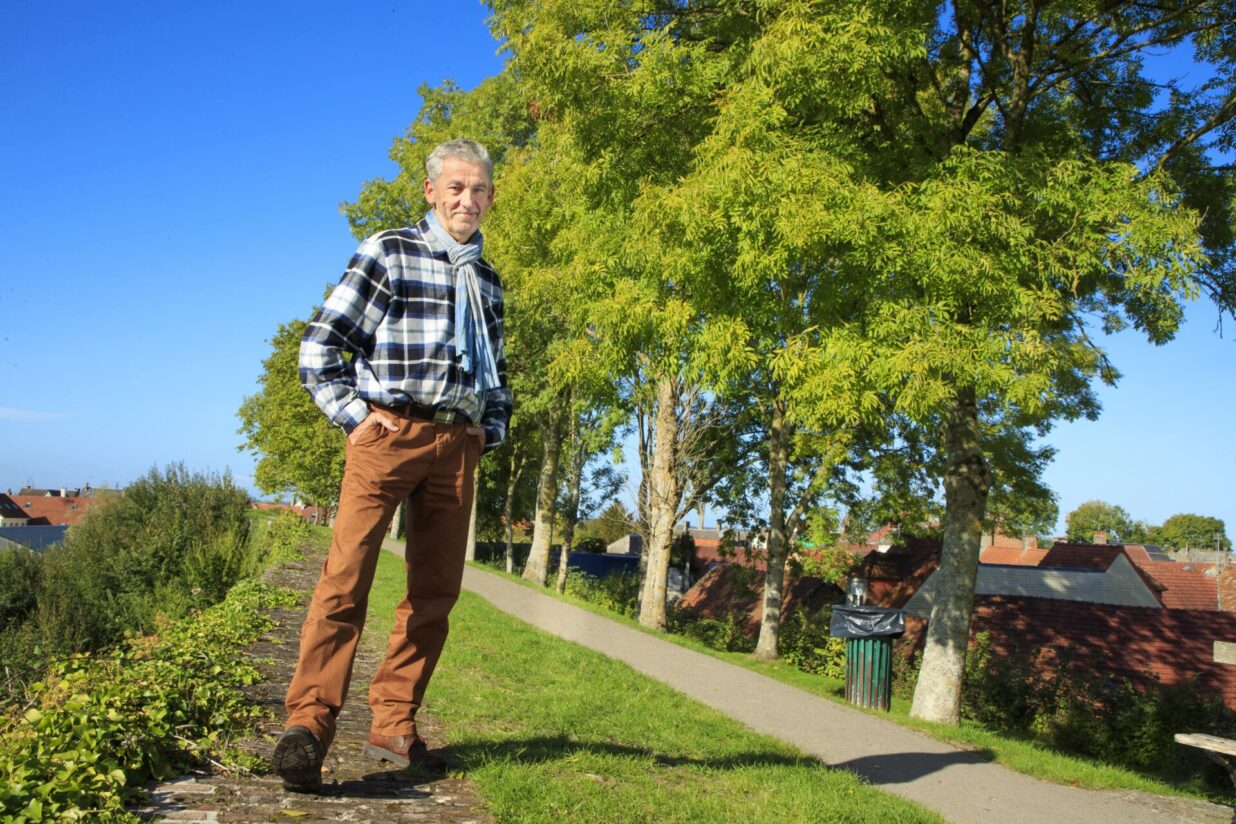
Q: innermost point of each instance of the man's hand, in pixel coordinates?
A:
(375, 418)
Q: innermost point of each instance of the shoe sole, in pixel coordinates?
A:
(379, 754)
(297, 761)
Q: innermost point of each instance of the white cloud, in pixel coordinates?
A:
(8, 413)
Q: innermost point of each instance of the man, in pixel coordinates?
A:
(422, 396)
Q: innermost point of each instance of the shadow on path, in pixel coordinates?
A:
(903, 767)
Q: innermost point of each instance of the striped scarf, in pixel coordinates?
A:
(473, 353)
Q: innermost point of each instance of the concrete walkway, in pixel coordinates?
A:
(959, 785)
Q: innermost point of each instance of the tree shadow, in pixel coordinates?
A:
(903, 767)
(542, 749)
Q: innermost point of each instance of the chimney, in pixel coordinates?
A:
(1100, 538)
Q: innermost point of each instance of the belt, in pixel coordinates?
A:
(427, 413)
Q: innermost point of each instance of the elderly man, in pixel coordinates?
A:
(423, 394)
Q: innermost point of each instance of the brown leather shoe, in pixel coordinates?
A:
(403, 750)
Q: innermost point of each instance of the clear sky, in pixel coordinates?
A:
(170, 181)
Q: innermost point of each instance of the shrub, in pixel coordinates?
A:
(618, 593)
(1078, 708)
(174, 540)
(806, 644)
(20, 573)
(98, 727)
(729, 634)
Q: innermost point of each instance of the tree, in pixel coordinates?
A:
(1186, 531)
(614, 522)
(1099, 516)
(297, 448)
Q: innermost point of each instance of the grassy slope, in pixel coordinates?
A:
(550, 731)
(1024, 756)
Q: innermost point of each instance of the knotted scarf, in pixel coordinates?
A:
(473, 353)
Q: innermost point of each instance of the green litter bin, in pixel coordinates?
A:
(868, 634)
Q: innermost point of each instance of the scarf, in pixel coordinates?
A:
(473, 353)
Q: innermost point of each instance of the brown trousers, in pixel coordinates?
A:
(430, 464)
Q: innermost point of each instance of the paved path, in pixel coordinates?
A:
(959, 785)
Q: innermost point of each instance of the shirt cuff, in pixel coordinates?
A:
(351, 415)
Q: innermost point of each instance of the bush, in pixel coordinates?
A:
(618, 593)
(1077, 708)
(729, 634)
(98, 727)
(20, 573)
(173, 541)
(806, 644)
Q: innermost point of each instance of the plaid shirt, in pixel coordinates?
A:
(394, 311)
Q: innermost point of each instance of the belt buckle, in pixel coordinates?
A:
(443, 416)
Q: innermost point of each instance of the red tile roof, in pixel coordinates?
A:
(1082, 556)
(1185, 586)
(54, 510)
(1138, 643)
(1011, 556)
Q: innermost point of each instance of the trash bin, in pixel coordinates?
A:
(868, 634)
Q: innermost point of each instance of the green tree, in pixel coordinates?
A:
(614, 522)
(297, 448)
(1099, 516)
(1187, 531)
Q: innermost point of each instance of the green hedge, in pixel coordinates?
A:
(97, 727)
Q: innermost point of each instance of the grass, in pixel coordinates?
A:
(1022, 755)
(550, 731)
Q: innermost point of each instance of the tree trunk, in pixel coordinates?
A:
(967, 481)
(774, 575)
(537, 567)
(470, 551)
(508, 507)
(571, 515)
(663, 502)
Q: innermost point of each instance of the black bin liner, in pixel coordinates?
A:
(866, 622)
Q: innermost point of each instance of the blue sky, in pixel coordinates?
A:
(172, 174)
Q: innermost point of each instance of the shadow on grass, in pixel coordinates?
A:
(542, 749)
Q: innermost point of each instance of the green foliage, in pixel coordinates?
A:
(284, 537)
(97, 727)
(1078, 709)
(614, 522)
(1099, 516)
(174, 540)
(617, 593)
(1195, 531)
(297, 448)
(806, 644)
(20, 576)
(729, 634)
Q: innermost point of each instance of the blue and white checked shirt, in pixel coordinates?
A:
(394, 311)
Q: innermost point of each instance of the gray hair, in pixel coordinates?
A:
(461, 148)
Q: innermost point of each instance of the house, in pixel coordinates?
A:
(11, 514)
(1141, 644)
(54, 510)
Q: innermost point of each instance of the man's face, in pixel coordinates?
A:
(460, 196)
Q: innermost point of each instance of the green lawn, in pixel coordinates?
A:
(550, 731)
(1024, 756)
